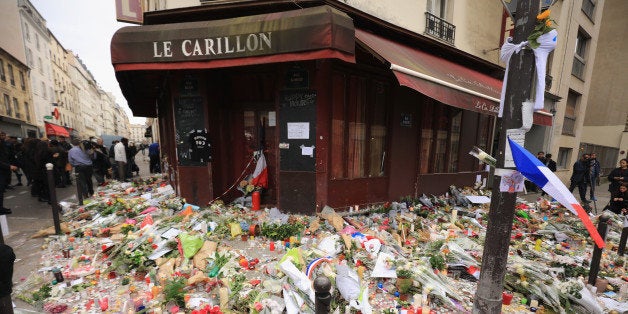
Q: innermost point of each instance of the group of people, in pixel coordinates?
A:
(89, 159)
(586, 173)
(618, 187)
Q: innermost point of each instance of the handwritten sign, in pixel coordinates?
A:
(298, 130)
(518, 136)
(298, 99)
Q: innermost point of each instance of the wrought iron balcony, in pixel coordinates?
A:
(439, 28)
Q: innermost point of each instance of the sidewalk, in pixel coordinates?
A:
(603, 197)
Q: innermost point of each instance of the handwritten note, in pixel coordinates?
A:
(298, 130)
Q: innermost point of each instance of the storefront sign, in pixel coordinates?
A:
(406, 119)
(297, 78)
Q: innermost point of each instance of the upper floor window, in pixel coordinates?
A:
(579, 58)
(2, 74)
(28, 114)
(22, 81)
(588, 7)
(569, 123)
(11, 76)
(37, 41)
(435, 21)
(437, 8)
(40, 65)
(29, 57)
(27, 32)
(16, 107)
(7, 104)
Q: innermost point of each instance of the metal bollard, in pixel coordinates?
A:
(322, 286)
(53, 198)
(597, 252)
(79, 187)
(622, 241)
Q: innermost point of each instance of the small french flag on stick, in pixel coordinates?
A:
(539, 174)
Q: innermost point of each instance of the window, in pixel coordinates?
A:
(588, 7)
(43, 89)
(437, 8)
(359, 127)
(11, 76)
(2, 74)
(16, 107)
(440, 138)
(569, 122)
(40, 65)
(29, 57)
(22, 81)
(579, 58)
(28, 113)
(564, 154)
(7, 104)
(27, 32)
(37, 41)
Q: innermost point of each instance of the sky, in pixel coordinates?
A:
(86, 28)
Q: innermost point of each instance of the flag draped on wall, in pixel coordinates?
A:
(532, 168)
(260, 174)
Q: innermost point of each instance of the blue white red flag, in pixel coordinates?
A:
(535, 171)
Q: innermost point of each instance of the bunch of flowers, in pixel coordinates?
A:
(543, 26)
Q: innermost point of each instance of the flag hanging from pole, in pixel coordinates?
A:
(260, 174)
(535, 171)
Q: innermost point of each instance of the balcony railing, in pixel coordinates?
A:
(439, 28)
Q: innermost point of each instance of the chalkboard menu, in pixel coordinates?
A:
(189, 127)
(297, 133)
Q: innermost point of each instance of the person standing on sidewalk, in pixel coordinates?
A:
(618, 176)
(153, 154)
(120, 157)
(6, 168)
(594, 174)
(80, 157)
(550, 164)
(66, 172)
(580, 177)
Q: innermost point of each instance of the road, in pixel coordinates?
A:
(29, 216)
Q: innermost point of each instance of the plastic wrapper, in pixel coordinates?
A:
(299, 279)
(347, 282)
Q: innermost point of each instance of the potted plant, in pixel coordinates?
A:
(404, 282)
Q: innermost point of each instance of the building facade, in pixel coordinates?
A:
(137, 133)
(16, 113)
(605, 129)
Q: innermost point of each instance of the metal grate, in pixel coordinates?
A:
(439, 28)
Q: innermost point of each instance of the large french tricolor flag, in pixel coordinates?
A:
(535, 171)
(260, 174)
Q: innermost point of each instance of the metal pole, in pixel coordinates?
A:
(597, 252)
(52, 188)
(322, 286)
(622, 241)
(79, 187)
(488, 295)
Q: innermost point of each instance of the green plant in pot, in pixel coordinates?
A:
(405, 282)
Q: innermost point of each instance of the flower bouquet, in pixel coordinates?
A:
(543, 26)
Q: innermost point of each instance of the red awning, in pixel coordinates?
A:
(441, 79)
(56, 130)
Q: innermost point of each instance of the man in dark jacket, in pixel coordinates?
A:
(594, 174)
(7, 166)
(63, 143)
(580, 177)
(550, 164)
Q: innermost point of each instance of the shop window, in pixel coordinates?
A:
(359, 127)
(564, 154)
(569, 123)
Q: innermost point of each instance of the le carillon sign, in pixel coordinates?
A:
(249, 36)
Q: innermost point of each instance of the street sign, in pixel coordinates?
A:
(48, 117)
(129, 11)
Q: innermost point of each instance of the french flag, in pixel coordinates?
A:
(535, 171)
(260, 174)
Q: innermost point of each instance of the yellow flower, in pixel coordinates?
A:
(548, 23)
(545, 14)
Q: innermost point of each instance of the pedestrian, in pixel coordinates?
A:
(80, 157)
(594, 174)
(120, 158)
(551, 165)
(153, 155)
(8, 146)
(42, 156)
(131, 151)
(28, 163)
(66, 146)
(580, 177)
(60, 159)
(618, 176)
(619, 200)
(112, 160)
(101, 163)
(6, 167)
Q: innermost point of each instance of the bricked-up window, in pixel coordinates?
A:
(569, 122)
(11, 75)
(359, 127)
(564, 155)
(579, 57)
